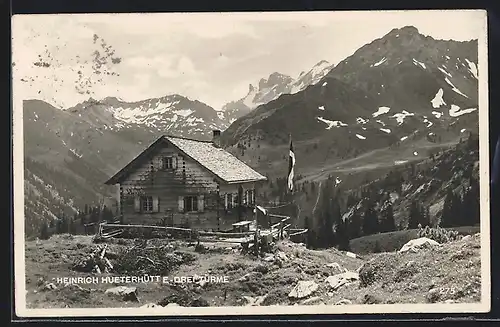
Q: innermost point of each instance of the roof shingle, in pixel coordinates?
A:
(217, 160)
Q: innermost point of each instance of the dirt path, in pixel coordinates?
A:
(317, 199)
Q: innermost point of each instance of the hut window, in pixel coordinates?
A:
(147, 203)
(229, 201)
(190, 203)
(167, 163)
(251, 200)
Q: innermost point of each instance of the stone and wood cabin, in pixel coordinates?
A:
(186, 183)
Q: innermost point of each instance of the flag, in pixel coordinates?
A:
(291, 166)
(263, 210)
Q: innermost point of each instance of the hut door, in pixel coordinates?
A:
(240, 199)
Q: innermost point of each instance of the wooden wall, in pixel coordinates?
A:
(186, 178)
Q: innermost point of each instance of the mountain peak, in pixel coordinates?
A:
(323, 63)
(409, 29)
(405, 30)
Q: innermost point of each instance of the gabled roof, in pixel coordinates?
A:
(216, 160)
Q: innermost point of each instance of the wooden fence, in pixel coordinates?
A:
(275, 232)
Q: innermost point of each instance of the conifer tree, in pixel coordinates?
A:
(456, 209)
(343, 235)
(354, 226)
(473, 201)
(447, 214)
(415, 215)
(370, 220)
(327, 237)
(44, 231)
(426, 218)
(388, 224)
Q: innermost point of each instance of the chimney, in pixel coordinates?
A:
(216, 138)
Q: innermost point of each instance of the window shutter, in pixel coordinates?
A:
(201, 202)
(137, 204)
(155, 204)
(174, 162)
(225, 201)
(181, 204)
(247, 197)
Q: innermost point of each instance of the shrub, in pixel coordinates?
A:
(439, 234)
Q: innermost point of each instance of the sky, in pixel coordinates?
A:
(210, 57)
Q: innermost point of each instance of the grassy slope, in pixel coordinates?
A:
(395, 240)
(396, 278)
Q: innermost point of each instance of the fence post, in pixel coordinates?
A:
(282, 225)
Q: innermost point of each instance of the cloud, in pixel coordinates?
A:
(181, 67)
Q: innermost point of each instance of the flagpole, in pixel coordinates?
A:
(290, 187)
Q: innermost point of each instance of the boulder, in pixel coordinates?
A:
(49, 286)
(418, 243)
(269, 258)
(313, 300)
(351, 255)
(282, 256)
(125, 292)
(343, 302)
(336, 267)
(173, 304)
(303, 289)
(248, 276)
(254, 301)
(339, 280)
(466, 238)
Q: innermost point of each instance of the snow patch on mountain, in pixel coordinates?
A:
(184, 112)
(416, 62)
(331, 123)
(321, 107)
(438, 101)
(361, 137)
(444, 71)
(380, 62)
(454, 88)
(361, 120)
(76, 153)
(385, 130)
(381, 111)
(437, 114)
(400, 117)
(139, 114)
(456, 112)
(472, 67)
